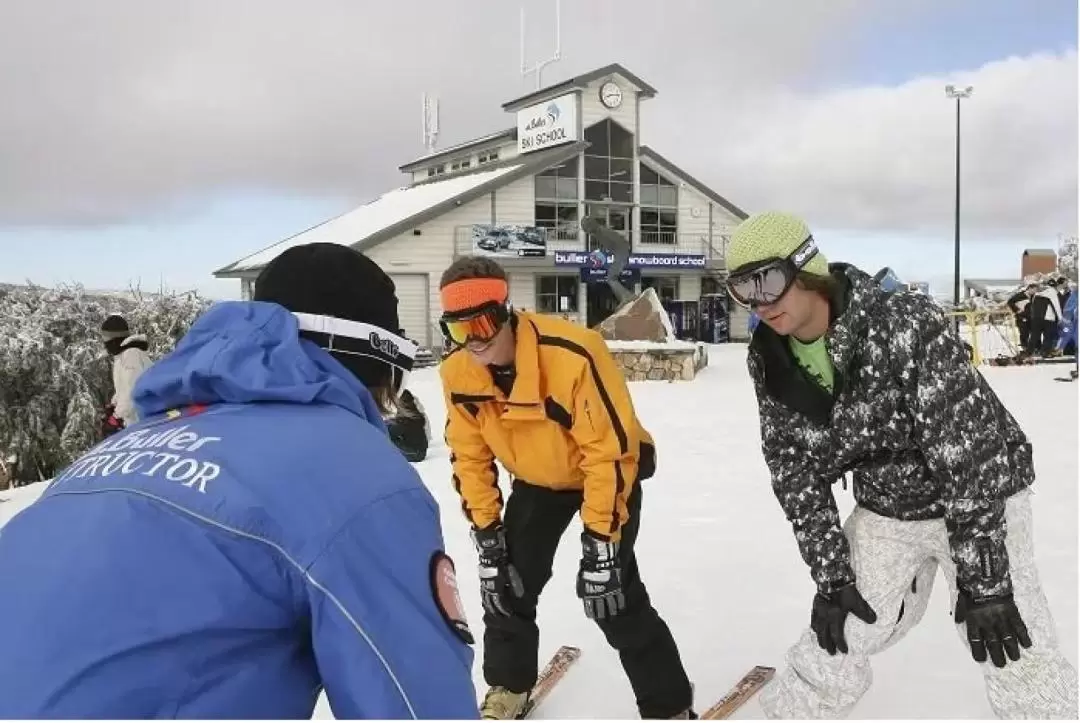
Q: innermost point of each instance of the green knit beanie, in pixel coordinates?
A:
(768, 235)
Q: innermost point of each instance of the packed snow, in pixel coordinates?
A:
(721, 563)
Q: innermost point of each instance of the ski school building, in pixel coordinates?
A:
(520, 194)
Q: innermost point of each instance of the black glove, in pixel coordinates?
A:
(499, 580)
(599, 582)
(993, 624)
(830, 612)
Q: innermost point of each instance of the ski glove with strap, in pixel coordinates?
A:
(830, 612)
(599, 583)
(994, 625)
(500, 582)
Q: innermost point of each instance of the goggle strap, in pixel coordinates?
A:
(356, 338)
(807, 250)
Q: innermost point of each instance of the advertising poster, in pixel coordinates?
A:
(508, 240)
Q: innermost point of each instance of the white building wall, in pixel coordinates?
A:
(523, 289)
(430, 252)
(515, 202)
(693, 220)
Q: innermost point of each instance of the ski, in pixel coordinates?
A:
(743, 691)
(1064, 379)
(549, 677)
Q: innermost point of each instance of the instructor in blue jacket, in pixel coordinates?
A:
(255, 539)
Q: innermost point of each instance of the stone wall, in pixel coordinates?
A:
(662, 363)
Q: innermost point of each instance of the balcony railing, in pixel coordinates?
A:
(573, 239)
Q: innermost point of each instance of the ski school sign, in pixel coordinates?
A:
(547, 124)
(598, 260)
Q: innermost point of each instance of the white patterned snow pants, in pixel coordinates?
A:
(887, 556)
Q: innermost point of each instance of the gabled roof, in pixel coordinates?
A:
(443, 153)
(577, 83)
(399, 210)
(649, 154)
(1040, 252)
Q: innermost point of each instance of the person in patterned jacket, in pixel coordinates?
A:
(851, 378)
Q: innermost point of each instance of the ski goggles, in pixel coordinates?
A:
(355, 338)
(480, 324)
(765, 282)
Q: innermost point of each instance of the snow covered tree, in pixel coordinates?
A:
(1066, 262)
(55, 376)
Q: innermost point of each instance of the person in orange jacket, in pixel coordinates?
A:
(544, 397)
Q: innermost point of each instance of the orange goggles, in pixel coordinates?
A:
(481, 325)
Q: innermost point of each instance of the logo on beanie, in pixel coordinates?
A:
(804, 252)
(386, 346)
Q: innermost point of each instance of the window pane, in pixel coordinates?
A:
(597, 135)
(623, 192)
(568, 213)
(569, 168)
(547, 284)
(648, 175)
(622, 170)
(545, 211)
(596, 168)
(545, 187)
(668, 218)
(648, 196)
(568, 286)
(664, 180)
(668, 196)
(566, 188)
(546, 304)
(622, 143)
(649, 217)
(596, 190)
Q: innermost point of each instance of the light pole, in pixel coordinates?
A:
(951, 91)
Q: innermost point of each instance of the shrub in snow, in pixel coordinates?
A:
(55, 376)
(1066, 262)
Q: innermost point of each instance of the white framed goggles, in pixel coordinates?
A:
(343, 336)
(767, 281)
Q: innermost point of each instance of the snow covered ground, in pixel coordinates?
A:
(742, 594)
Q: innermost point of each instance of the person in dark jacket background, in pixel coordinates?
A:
(255, 539)
(130, 358)
(851, 378)
(1020, 306)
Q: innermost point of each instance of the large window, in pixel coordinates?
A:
(557, 294)
(609, 165)
(659, 208)
(667, 287)
(556, 200)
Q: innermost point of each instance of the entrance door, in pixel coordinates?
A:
(600, 300)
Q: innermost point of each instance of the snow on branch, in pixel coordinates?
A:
(55, 376)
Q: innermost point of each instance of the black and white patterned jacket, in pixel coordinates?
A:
(915, 423)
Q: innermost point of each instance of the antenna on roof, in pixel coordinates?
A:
(539, 67)
(431, 122)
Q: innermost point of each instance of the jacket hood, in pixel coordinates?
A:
(243, 352)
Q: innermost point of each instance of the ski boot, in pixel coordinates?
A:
(503, 704)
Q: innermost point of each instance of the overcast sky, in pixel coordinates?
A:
(131, 126)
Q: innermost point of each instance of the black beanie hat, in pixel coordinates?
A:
(329, 279)
(114, 327)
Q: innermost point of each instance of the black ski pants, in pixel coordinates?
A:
(535, 520)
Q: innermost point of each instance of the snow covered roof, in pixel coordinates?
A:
(395, 212)
(507, 133)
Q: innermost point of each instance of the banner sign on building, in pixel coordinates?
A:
(508, 240)
(547, 124)
(637, 261)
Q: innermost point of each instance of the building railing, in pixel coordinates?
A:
(570, 238)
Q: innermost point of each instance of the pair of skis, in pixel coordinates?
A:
(567, 655)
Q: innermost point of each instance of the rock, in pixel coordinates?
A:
(643, 319)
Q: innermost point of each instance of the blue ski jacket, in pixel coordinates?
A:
(1068, 321)
(254, 539)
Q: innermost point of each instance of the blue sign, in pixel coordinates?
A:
(593, 259)
(591, 275)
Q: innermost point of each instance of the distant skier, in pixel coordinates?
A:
(1020, 306)
(1045, 316)
(255, 539)
(130, 358)
(545, 398)
(852, 378)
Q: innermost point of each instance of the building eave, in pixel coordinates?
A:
(649, 154)
(577, 83)
(530, 165)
